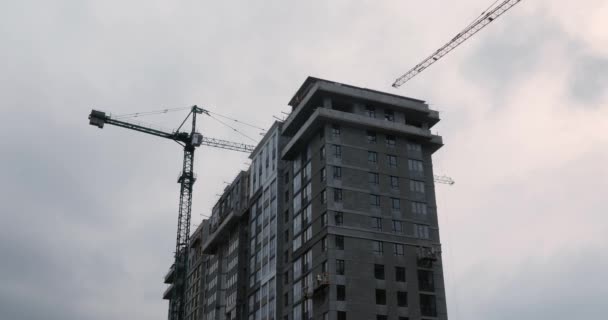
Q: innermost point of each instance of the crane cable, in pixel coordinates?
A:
(235, 120)
(234, 129)
(481, 15)
(209, 113)
(162, 111)
(147, 113)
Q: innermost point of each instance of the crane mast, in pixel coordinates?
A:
(190, 141)
(485, 19)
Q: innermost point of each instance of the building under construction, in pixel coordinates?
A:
(335, 219)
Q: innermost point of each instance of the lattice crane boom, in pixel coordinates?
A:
(190, 141)
(99, 119)
(485, 19)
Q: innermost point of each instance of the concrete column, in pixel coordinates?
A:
(327, 103)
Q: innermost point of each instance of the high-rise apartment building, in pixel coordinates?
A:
(335, 219)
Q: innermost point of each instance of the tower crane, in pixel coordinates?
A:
(190, 141)
(483, 20)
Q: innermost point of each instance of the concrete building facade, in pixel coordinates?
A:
(337, 218)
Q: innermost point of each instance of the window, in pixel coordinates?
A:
(340, 292)
(337, 195)
(297, 243)
(322, 133)
(324, 196)
(370, 111)
(297, 223)
(394, 182)
(323, 175)
(400, 274)
(297, 268)
(371, 137)
(379, 271)
(390, 141)
(306, 172)
(324, 266)
(341, 315)
(381, 317)
(297, 164)
(416, 186)
(335, 131)
(419, 208)
(401, 318)
(415, 165)
(324, 244)
(425, 280)
(339, 218)
(389, 115)
(339, 242)
(297, 202)
(374, 200)
(380, 296)
(397, 226)
(377, 247)
(307, 261)
(395, 203)
(372, 157)
(307, 234)
(402, 298)
(398, 249)
(428, 305)
(414, 147)
(392, 160)
(340, 267)
(337, 151)
(373, 178)
(306, 193)
(322, 153)
(297, 183)
(377, 224)
(337, 172)
(422, 231)
(324, 219)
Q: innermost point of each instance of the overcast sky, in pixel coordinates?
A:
(88, 216)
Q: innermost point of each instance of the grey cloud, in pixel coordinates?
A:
(507, 54)
(87, 216)
(568, 285)
(589, 79)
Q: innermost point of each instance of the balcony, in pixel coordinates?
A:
(313, 90)
(170, 276)
(217, 234)
(168, 294)
(322, 115)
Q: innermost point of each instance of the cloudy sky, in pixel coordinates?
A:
(87, 220)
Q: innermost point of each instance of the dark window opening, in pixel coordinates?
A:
(400, 274)
(380, 297)
(379, 271)
(340, 292)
